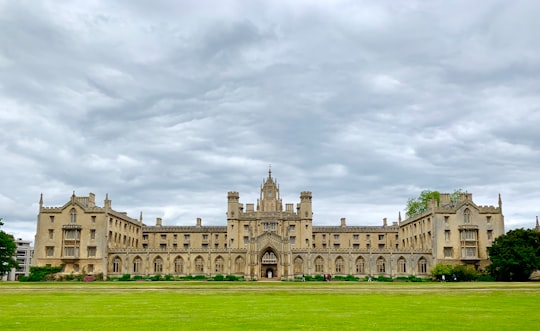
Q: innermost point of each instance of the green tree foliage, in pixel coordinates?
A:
(442, 269)
(7, 252)
(457, 273)
(420, 204)
(515, 255)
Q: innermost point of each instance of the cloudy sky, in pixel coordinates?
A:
(167, 106)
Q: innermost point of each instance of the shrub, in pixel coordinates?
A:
(89, 278)
(382, 278)
(39, 274)
(219, 278)
(319, 278)
(441, 270)
(125, 277)
(156, 278)
(233, 278)
(464, 273)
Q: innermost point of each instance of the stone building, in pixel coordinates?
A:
(264, 240)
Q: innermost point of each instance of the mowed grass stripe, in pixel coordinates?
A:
(263, 306)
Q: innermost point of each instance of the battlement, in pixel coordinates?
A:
(233, 196)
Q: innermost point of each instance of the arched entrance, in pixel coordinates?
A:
(269, 265)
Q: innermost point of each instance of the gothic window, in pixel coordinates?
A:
(117, 265)
(179, 265)
(298, 265)
(239, 265)
(402, 265)
(422, 266)
(219, 264)
(340, 263)
(137, 265)
(158, 265)
(199, 265)
(269, 258)
(73, 213)
(360, 265)
(381, 265)
(466, 216)
(319, 264)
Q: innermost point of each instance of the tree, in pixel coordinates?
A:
(442, 270)
(420, 204)
(7, 252)
(515, 255)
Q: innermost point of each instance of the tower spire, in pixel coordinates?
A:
(270, 171)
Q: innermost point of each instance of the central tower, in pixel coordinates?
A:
(269, 200)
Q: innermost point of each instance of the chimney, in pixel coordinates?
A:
(91, 200)
(158, 221)
(199, 221)
(343, 222)
(384, 222)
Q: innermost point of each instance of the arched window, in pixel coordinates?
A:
(117, 265)
(381, 265)
(219, 264)
(199, 264)
(158, 265)
(422, 266)
(73, 214)
(298, 265)
(179, 265)
(360, 265)
(269, 258)
(239, 265)
(319, 264)
(467, 216)
(402, 265)
(137, 265)
(340, 264)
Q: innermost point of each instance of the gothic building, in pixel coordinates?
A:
(264, 240)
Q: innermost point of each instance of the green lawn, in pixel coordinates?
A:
(267, 306)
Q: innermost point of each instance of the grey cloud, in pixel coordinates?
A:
(168, 106)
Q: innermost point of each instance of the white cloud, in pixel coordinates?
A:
(167, 106)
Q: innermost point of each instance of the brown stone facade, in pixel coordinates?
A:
(263, 240)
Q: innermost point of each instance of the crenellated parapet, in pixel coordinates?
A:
(233, 196)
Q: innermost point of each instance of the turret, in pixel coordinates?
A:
(233, 205)
(270, 199)
(304, 208)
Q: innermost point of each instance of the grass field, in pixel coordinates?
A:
(267, 306)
